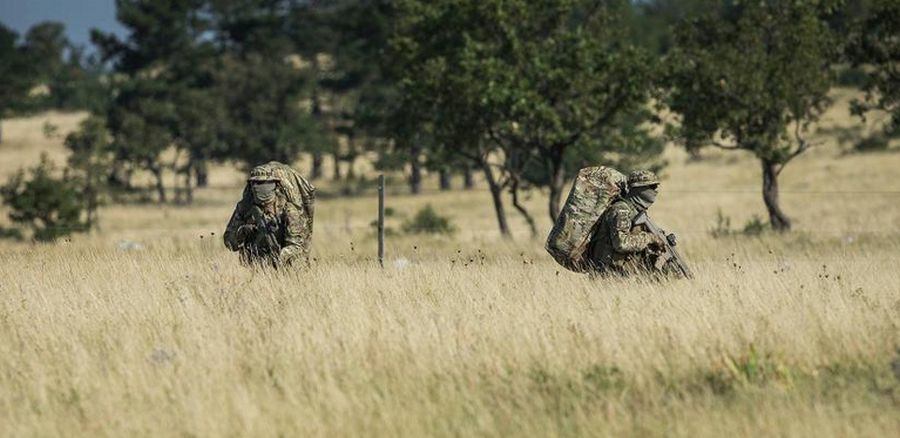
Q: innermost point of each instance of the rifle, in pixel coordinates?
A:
(668, 252)
(265, 241)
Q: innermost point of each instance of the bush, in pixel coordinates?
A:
(51, 206)
(755, 226)
(11, 233)
(723, 226)
(428, 221)
(874, 143)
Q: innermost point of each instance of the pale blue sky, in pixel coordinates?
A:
(79, 16)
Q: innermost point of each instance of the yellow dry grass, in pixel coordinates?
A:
(467, 335)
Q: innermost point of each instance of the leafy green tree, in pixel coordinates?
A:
(528, 80)
(45, 44)
(48, 204)
(876, 46)
(16, 74)
(139, 120)
(90, 163)
(753, 75)
(342, 42)
(80, 83)
(165, 89)
(260, 81)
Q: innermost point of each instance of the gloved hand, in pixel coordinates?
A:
(656, 243)
(245, 231)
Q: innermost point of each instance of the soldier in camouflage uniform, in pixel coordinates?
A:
(266, 228)
(617, 246)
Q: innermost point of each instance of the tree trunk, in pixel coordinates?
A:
(337, 167)
(468, 178)
(415, 174)
(351, 173)
(160, 187)
(514, 191)
(496, 196)
(444, 179)
(201, 171)
(779, 221)
(1, 131)
(316, 171)
(557, 184)
(694, 155)
(188, 189)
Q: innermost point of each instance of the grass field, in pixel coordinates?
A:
(793, 335)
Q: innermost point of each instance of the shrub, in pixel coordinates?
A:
(428, 221)
(51, 206)
(723, 226)
(755, 226)
(874, 143)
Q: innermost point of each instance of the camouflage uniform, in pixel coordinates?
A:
(617, 247)
(275, 233)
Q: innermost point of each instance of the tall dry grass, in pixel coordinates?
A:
(789, 335)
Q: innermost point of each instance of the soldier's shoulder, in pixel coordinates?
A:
(291, 208)
(623, 206)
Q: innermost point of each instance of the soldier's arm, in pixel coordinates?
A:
(233, 238)
(624, 240)
(296, 236)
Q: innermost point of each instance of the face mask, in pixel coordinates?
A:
(644, 197)
(263, 192)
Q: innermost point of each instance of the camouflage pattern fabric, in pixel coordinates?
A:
(642, 178)
(592, 192)
(296, 189)
(617, 247)
(277, 235)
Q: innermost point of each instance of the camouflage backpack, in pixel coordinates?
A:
(295, 188)
(594, 189)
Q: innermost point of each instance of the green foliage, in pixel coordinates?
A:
(45, 44)
(46, 57)
(428, 221)
(730, 80)
(722, 227)
(532, 80)
(873, 143)
(11, 233)
(50, 205)
(91, 161)
(754, 227)
(17, 74)
(753, 75)
(876, 47)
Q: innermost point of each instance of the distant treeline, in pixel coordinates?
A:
(522, 91)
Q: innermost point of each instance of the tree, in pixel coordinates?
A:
(90, 163)
(166, 94)
(260, 81)
(753, 76)
(48, 204)
(45, 44)
(525, 80)
(876, 46)
(16, 74)
(139, 120)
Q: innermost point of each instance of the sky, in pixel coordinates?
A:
(79, 16)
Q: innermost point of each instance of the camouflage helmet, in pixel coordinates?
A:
(262, 173)
(642, 178)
